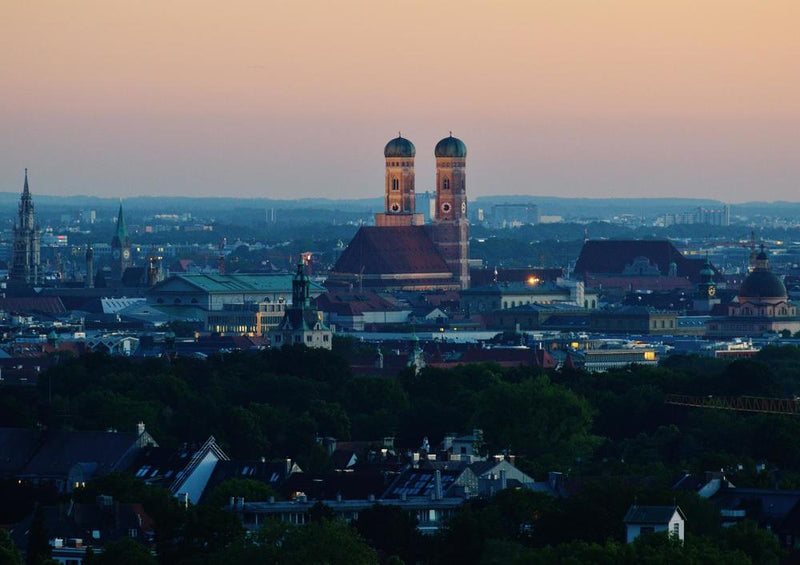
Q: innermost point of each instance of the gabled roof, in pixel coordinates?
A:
(17, 445)
(415, 483)
(355, 303)
(272, 473)
(651, 514)
(40, 304)
(261, 282)
(350, 485)
(61, 449)
(209, 451)
(612, 256)
(79, 520)
(391, 250)
(297, 319)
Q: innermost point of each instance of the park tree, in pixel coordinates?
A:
(124, 552)
(9, 553)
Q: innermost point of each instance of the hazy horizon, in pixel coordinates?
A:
(285, 100)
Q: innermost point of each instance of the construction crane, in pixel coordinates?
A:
(790, 406)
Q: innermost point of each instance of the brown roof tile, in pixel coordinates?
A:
(391, 250)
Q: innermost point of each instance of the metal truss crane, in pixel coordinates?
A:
(790, 406)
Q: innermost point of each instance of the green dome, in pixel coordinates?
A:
(707, 270)
(451, 147)
(399, 147)
(762, 284)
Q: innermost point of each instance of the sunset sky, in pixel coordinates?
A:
(594, 98)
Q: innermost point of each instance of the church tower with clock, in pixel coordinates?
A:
(706, 297)
(120, 248)
(399, 200)
(401, 251)
(24, 267)
(450, 229)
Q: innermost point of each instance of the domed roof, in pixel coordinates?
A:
(451, 147)
(399, 147)
(762, 283)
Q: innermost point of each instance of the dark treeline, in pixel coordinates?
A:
(611, 432)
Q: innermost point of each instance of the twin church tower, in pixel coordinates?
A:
(451, 182)
(401, 252)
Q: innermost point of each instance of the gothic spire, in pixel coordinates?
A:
(25, 189)
(122, 230)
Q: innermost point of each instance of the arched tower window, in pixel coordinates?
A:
(446, 184)
(395, 184)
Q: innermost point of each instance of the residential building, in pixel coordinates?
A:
(641, 520)
(75, 527)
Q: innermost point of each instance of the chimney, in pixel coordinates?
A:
(437, 485)
(288, 467)
(503, 480)
(447, 442)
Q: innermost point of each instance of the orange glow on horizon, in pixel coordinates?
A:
(578, 97)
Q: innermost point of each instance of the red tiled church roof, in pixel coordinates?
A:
(391, 250)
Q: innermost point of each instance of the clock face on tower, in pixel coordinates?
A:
(463, 207)
(126, 254)
(712, 291)
(445, 207)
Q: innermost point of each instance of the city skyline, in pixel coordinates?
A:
(282, 100)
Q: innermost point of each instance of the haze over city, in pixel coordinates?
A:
(297, 99)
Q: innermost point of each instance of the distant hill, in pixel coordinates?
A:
(548, 205)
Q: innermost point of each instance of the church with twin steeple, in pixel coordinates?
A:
(401, 252)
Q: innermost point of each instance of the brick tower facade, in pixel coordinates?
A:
(450, 228)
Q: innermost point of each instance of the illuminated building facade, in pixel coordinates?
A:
(399, 252)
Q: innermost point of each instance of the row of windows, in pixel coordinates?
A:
(747, 311)
(446, 184)
(400, 164)
(299, 339)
